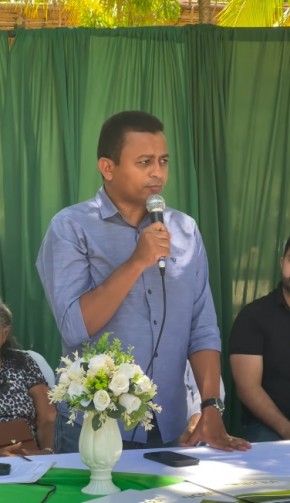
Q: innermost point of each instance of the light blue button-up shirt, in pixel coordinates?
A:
(83, 245)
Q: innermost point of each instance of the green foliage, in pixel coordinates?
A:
(254, 13)
(116, 13)
(135, 417)
(96, 422)
(108, 13)
(101, 381)
(117, 413)
(103, 346)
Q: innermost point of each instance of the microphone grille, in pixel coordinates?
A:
(155, 203)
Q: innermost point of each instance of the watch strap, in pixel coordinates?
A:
(213, 402)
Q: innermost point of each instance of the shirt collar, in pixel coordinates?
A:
(106, 206)
(109, 210)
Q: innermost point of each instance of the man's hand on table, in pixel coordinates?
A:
(211, 431)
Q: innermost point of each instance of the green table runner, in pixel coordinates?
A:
(70, 482)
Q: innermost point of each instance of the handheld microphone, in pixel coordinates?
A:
(155, 205)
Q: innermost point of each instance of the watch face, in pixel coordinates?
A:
(220, 404)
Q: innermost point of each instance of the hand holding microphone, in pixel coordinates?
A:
(154, 241)
(155, 205)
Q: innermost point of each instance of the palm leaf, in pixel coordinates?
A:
(256, 13)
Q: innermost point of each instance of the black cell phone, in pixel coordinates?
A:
(171, 458)
(5, 468)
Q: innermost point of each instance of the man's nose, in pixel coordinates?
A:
(156, 169)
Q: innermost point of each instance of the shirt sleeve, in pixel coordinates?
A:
(193, 396)
(246, 336)
(204, 329)
(44, 367)
(34, 376)
(63, 267)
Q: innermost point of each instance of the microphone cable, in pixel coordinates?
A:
(155, 353)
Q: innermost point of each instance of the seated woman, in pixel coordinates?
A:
(23, 392)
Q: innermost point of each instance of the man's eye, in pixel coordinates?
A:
(164, 161)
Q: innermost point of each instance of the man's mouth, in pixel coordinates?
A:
(156, 186)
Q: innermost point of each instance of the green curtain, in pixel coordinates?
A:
(240, 102)
(4, 53)
(223, 95)
(61, 86)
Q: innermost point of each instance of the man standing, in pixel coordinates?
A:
(99, 267)
(260, 356)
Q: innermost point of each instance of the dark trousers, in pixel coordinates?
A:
(154, 440)
(259, 432)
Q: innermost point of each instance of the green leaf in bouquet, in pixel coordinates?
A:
(96, 422)
(115, 414)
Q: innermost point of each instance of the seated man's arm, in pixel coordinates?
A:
(247, 372)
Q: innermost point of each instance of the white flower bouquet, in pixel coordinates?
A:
(105, 380)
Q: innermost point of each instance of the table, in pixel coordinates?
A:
(133, 471)
(272, 458)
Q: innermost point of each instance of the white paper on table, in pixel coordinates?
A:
(175, 493)
(23, 472)
(276, 488)
(190, 492)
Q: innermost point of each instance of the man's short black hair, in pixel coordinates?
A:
(112, 135)
(286, 247)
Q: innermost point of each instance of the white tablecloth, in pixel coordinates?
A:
(265, 458)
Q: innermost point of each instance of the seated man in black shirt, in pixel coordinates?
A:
(260, 361)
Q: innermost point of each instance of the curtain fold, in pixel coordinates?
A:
(41, 150)
(4, 58)
(240, 94)
(62, 85)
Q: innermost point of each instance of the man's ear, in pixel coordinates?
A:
(281, 262)
(106, 167)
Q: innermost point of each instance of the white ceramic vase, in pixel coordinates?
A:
(100, 450)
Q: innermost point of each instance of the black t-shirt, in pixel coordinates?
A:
(263, 328)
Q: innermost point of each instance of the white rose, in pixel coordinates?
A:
(101, 400)
(98, 363)
(119, 383)
(130, 369)
(64, 378)
(130, 402)
(143, 385)
(76, 389)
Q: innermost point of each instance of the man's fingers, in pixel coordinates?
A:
(239, 444)
(188, 437)
(230, 443)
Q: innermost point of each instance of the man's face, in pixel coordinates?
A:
(142, 169)
(285, 271)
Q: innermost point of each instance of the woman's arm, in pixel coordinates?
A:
(45, 417)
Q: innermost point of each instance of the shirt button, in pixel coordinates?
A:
(149, 291)
(155, 322)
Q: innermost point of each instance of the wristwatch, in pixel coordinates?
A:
(214, 402)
